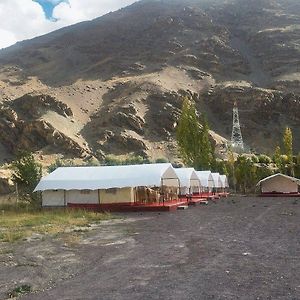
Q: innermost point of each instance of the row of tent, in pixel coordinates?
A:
(192, 181)
(121, 184)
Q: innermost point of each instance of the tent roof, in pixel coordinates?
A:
(206, 178)
(187, 176)
(106, 177)
(224, 180)
(296, 180)
(217, 180)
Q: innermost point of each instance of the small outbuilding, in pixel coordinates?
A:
(189, 181)
(109, 185)
(279, 184)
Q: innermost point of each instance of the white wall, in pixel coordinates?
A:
(53, 198)
(82, 197)
(114, 196)
(280, 185)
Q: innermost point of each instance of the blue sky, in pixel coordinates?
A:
(48, 7)
(26, 19)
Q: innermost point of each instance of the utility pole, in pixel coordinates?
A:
(236, 137)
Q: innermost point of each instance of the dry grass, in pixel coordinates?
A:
(16, 225)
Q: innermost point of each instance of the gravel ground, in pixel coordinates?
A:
(238, 248)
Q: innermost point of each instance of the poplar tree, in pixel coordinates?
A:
(245, 172)
(207, 152)
(288, 148)
(187, 133)
(193, 138)
(297, 167)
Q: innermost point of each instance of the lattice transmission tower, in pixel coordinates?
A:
(236, 136)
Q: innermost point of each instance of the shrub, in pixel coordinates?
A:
(60, 163)
(26, 174)
(111, 160)
(161, 161)
(23, 289)
(264, 159)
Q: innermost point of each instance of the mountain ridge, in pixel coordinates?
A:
(123, 75)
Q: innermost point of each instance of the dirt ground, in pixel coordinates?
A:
(238, 248)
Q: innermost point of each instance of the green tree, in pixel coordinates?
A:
(193, 138)
(277, 158)
(288, 148)
(26, 174)
(297, 166)
(231, 169)
(207, 150)
(188, 133)
(245, 171)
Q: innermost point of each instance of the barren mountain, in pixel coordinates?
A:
(115, 84)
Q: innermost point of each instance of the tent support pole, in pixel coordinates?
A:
(162, 190)
(65, 198)
(179, 189)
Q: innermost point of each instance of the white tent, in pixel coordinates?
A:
(189, 180)
(279, 183)
(217, 180)
(107, 177)
(107, 184)
(224, 180)
(206, 179)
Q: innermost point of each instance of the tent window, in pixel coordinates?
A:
(85, 192)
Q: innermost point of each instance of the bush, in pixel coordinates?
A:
(111, 160)
(264, 159)
(27, 174)
(60, 163)
(23, 289)
(161, 161)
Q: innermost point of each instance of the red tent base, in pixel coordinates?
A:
(130, 207)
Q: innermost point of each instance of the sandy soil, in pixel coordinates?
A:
(238, 248)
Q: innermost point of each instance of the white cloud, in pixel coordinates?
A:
(77, 10)
(24, 19)
(7, 38)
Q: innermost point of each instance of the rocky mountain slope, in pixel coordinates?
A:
(115, 85)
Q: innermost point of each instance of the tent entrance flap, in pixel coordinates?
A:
(169, 189)
(195, 186)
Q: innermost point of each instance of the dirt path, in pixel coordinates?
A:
(238, 248)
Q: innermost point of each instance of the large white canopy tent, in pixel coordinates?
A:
(224, 181)
(206, 179)
(279, 183)
(189, 180)
(217, 180)
(70, 180)
(107, 177)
